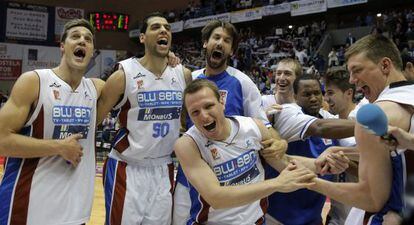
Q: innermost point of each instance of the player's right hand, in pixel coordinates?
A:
(71, 150)
(295, 177)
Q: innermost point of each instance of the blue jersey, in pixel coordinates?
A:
(302, 206)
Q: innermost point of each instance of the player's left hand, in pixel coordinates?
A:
(273, 148)
(173, 60)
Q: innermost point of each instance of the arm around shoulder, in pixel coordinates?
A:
(98, 85)
(187, 75)
(111, 93)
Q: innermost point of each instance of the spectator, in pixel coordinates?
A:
(108, 125)
(333, 58)
(350, 39)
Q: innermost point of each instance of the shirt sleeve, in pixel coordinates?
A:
(292, 123)
(252, 102)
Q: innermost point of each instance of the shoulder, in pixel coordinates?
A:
(27, 87)
(183, 144)
(187, 75)
(98, 83)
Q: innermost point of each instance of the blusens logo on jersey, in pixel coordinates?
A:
(75, 115)
(70, 120)
(150, 99)
(234, 168)
(151, 114)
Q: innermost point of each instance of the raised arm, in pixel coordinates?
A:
(205, 181)
(16, 112)
(111, 93)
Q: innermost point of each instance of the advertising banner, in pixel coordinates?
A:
(246, 15)
(304, 7)
(10, 61)
(201, 22)
(27, 22)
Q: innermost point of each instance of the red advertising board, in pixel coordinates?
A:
(10, 69)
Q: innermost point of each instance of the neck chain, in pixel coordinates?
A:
(233, 132)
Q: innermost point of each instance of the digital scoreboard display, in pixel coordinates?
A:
(109, 21)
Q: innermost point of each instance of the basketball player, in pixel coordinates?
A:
(239, 93)
(210, 151)
(376, 69)
(148, 94)
(46, 128)
(339, 94)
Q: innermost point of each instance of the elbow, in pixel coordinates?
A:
(215, 202)
(3, 144)
(374, 206)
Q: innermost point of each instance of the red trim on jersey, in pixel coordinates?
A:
(22, 192)
(171, 175)
(264, 203)
(122, 144)
(38, 125)
(203, 216)
(123, 115)
(260, 221)
(118, 194)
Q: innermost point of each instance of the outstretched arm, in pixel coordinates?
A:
(375, 169)
(331, 128)
(202, 177)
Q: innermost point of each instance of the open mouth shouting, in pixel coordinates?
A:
(365, 90)
(210, 127)
(217, 55)
(162, 42)
(80, 54)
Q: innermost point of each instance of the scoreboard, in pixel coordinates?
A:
(109, 21)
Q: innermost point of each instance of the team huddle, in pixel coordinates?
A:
(244, 158)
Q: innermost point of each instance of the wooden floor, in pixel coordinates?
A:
(98, 209)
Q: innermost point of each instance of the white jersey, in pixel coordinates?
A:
(235, 161)
(49, 190)
(291, 122)
(149, 113)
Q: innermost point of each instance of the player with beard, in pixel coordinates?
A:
(46, 127)
(147, 92)
(240, 96)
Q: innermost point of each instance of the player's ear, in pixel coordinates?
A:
(141, 38)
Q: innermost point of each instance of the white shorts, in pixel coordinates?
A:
(182, 205)
(355, 217)
(137, 194)
(271, 221)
